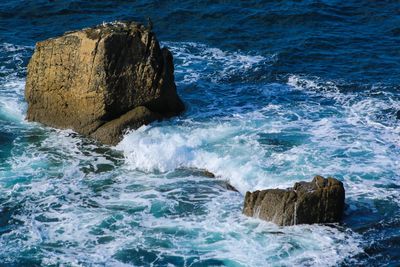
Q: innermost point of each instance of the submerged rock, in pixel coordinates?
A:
(230, 187)
(101, 81)
(319, 201)
(206, 173)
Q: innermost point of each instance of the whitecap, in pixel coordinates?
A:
(199, 61)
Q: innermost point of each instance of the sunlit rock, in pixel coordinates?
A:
(86, 79)
(319, 201)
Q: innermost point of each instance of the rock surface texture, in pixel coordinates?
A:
(319, 201)
(101, 81)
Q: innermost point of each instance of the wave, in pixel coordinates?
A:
(166, 148)
(12, 82)
(12, 105)
(281, 142)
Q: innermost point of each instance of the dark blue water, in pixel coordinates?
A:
(277, 91)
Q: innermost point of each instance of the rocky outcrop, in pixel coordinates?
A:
(101, 81)
(319, 201)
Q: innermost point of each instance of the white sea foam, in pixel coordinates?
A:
(167, 148)
(220, 233)
(11, 100)
(199, 61)
(369, 141)
(155, 150)
(12, 104)
(232, 150)
(15, 49)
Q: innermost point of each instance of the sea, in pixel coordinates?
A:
(276, 92)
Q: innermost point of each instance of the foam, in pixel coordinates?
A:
(368, 138)
(220, 233)
(167, 148)
(11, 101)
(232, 150)
(143, 150)
(199, 61)
(13, 48)
(12, 104)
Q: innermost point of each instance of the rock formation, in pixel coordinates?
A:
(101, 81)
(319, 201)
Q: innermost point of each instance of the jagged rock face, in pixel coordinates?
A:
(319, 201)
(85, 79)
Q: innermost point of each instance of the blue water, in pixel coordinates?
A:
(276, 92)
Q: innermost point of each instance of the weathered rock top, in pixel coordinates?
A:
(88, 78)
(105, 29)
(318, 183)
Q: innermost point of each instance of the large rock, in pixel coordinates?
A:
(86, 79)
(319, 201)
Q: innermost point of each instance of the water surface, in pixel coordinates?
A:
(276, 92)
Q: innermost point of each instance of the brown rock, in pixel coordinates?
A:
(207, 173)
(230, 187)
(112, 132)
(224, 183)
(85, 79)
(319, 201)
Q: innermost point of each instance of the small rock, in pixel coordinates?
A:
(230, 187)
(319, 201)
(224, 183)
(199, 172)
(208, 174)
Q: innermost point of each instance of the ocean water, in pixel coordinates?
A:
(276, 92)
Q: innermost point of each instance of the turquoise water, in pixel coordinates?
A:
(272, 96)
